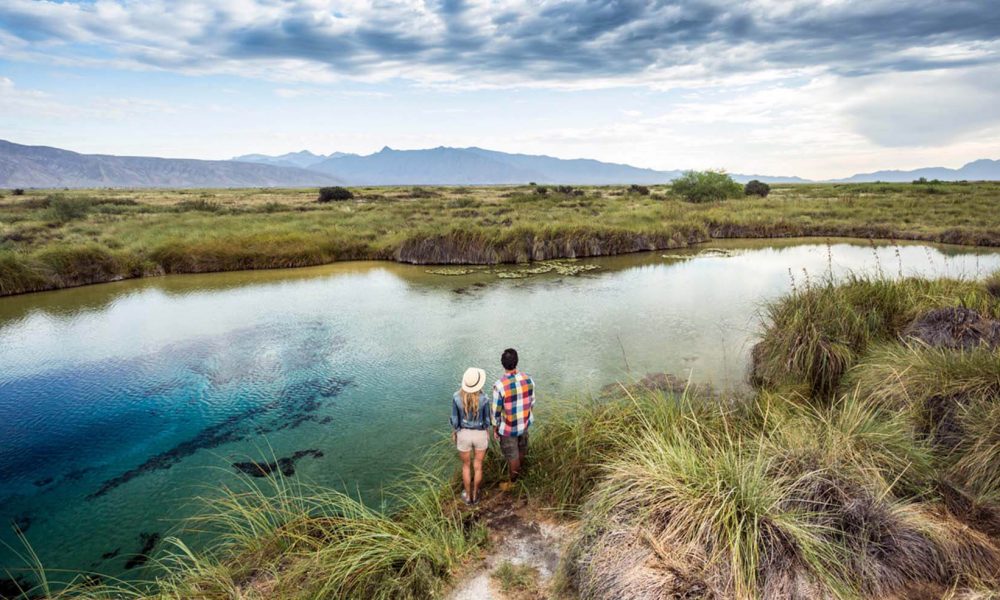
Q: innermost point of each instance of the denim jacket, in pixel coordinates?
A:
(460, 420)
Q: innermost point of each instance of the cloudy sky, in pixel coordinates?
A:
(816, 88)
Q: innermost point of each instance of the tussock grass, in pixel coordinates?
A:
(993, 284)
(291, 541)
(816, 334)
(775, 499)
(952, 398)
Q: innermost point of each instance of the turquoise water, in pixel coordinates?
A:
(120, 402)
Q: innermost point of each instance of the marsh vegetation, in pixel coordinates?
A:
(51, 240)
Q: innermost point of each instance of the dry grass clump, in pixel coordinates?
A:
(814, 335)
(952, 398)
(773, 501)
(310, 543)
(992, 284)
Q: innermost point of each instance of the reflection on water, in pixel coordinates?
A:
(120, 402)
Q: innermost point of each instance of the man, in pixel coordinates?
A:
(513, 399)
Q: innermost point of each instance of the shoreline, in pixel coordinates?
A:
(641, 243)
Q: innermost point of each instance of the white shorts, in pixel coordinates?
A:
(472, 438)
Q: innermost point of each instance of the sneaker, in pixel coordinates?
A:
(465, 498)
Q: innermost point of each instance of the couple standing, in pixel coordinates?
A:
(506, 416)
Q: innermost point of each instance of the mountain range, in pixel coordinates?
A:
(472, 166)
(977, 170)
(46, 167)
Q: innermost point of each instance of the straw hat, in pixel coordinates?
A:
(473, 380)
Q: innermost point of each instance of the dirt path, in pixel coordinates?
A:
(519, 536)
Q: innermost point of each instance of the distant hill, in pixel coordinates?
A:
(470, 166)
(302, 159)
(42, 166)
(979, 170)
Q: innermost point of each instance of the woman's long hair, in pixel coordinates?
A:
(470, 403)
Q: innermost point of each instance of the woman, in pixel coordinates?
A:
(470, 423)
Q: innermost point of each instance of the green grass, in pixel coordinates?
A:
(516, 580)
(151, 232)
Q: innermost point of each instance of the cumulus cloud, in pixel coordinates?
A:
(560, 43)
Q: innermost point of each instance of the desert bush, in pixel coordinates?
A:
(640, 190)
(62, 208)
(564, 189)
(198, 205)
(756, 188)
(706, 186)
(17, 191)
(420, 192)
(334, 194)
(541, 190)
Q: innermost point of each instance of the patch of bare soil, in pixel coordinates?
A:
(519, 535)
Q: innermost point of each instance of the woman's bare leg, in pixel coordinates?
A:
(466, 475)
(478, 467)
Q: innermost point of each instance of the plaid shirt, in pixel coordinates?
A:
(513, 399)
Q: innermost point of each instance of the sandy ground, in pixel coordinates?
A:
(518, 534)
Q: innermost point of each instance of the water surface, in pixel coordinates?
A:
(120, 402)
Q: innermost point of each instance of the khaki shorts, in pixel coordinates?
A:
(512, 447)
(472, 438)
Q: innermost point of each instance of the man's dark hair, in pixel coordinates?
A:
(509, 359)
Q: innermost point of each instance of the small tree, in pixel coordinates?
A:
(334, 194)
(638, 189)
(18, 191)
(756, 188)
(706, 186)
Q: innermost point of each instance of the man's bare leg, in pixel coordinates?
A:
(515, 468)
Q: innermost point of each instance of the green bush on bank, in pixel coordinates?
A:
(706, 186)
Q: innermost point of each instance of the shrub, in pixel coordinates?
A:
(198, 205)
(541, 190)
(564, 189)
(641, 190)
(706, 186)
(17, 191)
(417, 192)
(332, 194)
(756, 188)
(68, 209)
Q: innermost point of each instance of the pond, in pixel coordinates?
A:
(121, 402)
